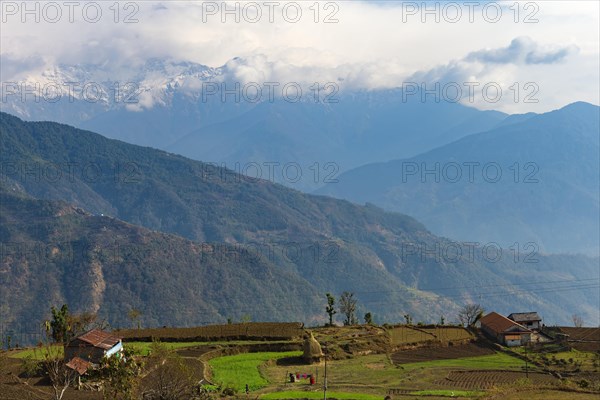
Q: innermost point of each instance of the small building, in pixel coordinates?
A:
(91, 347)
(79, 365)
(530, 320)
(505, 331)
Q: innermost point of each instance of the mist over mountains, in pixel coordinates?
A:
(343, 142)
(300, 134)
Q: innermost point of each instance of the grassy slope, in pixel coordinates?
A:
(239, 370)
(363, 377)
(375, 373)
(36, 353)
(495, 361)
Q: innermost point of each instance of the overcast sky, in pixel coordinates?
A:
(365, 44)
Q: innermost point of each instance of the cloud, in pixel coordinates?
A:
(549, 57)
(522, 50)
(525, 73)
(369, 47)
(15, 67)
(477, 65)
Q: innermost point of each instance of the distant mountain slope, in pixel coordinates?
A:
(316, 243)
(360, 128)
(151, 105)
(168, 105)
(548, 191)
(54, 253)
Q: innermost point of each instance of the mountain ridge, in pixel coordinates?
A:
(182, 107)
(548, 161)
(393, 263)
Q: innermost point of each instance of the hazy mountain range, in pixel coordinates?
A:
(533, 181)
(545, 200)
(184, 108)
(272, 251)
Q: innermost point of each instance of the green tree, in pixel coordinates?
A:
(330, 308)
(120, 374)
(368, 319)
(408, 319)
(59, 326)
(348, 308)
(64, 326)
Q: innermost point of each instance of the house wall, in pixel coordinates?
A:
(83, 350)
(115, 349)
(532, 325)
(511, 340)
(492, 334)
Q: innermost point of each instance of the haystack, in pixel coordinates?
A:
(312, 349)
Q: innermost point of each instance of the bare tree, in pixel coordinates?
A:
(134, 315)
(59, 374)
(170, 379)
(246, 318)
(64, 325)
(577, 320)
(470, 314)
(348, 308)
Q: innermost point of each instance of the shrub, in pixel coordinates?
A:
(583, 383)
(229, 391)
(31, 367)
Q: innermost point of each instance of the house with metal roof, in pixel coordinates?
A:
(79, 365)
(90, 348)
(530, 320)
(505, 331)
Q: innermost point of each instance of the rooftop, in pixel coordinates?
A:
(99, 338)
(499, 323)
(525, 316)
(79, 365)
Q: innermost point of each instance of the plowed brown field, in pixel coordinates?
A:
(488, 379)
